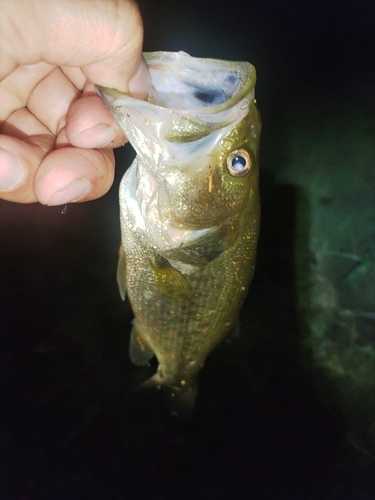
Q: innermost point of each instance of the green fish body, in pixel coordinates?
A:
(190, 211)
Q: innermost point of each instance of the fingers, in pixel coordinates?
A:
(22, 124)
(28, 173)
(100, 41)
(31, 171)
(19, 161)
(72, 174)
(136, 83)
(44, 90)
(75, 75)
(28, 137)
(50, 100)
(23, 144)
(103, 38)
(90, 125)
(17, 87)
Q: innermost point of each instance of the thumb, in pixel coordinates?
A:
(123, 66)
(102, 37)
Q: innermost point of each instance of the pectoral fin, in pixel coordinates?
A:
(121, 273)
(170, 281)
(199, 252)
(140, 353)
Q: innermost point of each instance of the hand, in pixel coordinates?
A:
(57, 138)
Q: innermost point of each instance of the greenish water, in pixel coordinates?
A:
(331, 165)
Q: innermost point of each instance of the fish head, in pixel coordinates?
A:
(197, 139)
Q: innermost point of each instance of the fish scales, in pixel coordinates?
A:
(190, 211)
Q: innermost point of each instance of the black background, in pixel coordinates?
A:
(70, 425)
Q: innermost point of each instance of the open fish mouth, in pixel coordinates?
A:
(191, 103)
(182, 82)
(194, 83)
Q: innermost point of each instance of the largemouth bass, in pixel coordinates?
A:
(189, 209)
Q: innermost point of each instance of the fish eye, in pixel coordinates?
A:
(239, 162)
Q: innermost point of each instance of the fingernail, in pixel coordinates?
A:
(97, 137)
(141, 81)
(12, 171)
(73, 191)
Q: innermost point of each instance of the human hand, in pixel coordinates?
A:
(56, 136)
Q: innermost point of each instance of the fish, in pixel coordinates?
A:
(189, 212)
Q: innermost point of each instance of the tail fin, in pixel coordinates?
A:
(180, 400)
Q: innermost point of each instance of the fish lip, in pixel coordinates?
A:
(246, 85)
(201, 111)
(244, 88)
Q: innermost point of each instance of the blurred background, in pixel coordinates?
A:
(287, 410)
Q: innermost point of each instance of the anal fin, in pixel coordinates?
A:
(139, 351)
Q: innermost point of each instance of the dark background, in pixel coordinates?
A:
(70, 425)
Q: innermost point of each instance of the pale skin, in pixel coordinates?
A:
(56, 136)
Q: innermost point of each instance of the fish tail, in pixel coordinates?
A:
(180, 400)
